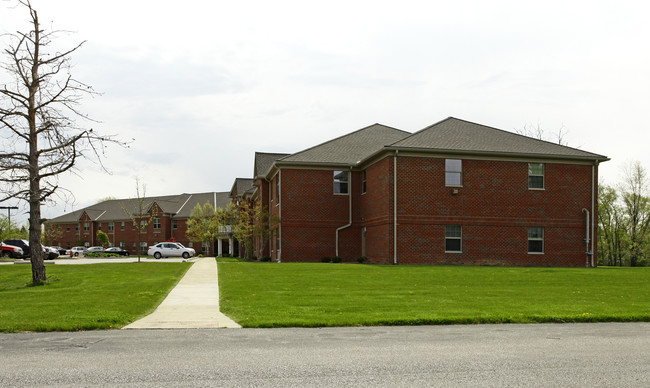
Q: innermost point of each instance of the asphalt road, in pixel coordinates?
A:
(576, 355)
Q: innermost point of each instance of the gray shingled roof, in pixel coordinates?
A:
(264, 161)
(453, 134)
(350, 148)
(242, 185)
(180, 205)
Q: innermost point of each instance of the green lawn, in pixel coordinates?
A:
(309, 295)
(83, 297)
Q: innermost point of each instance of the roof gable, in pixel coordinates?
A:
(453, 134)
(349, 149)
(264, 161)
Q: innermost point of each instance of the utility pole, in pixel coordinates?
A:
(9, 211)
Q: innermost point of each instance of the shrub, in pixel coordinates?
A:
(93, 255)
(326, 260)
(200, 255)
(266, 259)
(336, 259)
(362, 259)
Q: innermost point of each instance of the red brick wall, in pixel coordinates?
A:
(495, 208)
(376, 211)
(311, 213)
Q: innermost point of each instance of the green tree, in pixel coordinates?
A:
(252, 223)
(9, 229)
(612, 236)
(102, 238)
(203, 224)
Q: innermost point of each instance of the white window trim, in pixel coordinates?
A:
(528, 239)
(454, 238)
(460, 173)
(543, 177)
(347, 182)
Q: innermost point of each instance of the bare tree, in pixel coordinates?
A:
(139, 210)
(538, 132)
(636, 202)
(39, 137)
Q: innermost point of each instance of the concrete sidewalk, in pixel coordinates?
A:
(192, 304)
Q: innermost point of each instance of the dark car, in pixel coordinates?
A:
(23, 244)
(117, 250)
(62, 251)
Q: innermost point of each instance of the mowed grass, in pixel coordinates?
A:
(83, 297)
(311, 295)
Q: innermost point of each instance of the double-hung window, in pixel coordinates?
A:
(536, 176)
(453, 238)
(156, 222)
(536, 240)
(340, 182)
(363, 182)
(453, 172)
(277, 189)
(111, 226)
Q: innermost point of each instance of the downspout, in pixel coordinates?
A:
(593, 210)
(279, 193)
(395, 207)
(588, 225)
(349, 211)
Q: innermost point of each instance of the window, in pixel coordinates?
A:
(453, 238)
(175, 224)
(111, 226)
(536, 240)
(156, 222)
(86, 227)
(76, 228)
(133, 227)
(134, 246)
(363, 182)
(453, 172)
(143, 247)
(67, 228)
(143, 226)
(536, 176)
(340, 182)
(99, 226)
(122, 244)
(204, 248)
(277, 240)
(277, 189)
(122, 226)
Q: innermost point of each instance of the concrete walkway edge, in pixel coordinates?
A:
(192, 304)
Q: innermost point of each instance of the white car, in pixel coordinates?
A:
(76, 251)
(170, 249)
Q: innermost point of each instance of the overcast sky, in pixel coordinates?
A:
(201, 85)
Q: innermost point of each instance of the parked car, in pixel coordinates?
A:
(170, 249)
(50, 253)
(12, 251)
(76, 251)
(22, 244)
(62, 251)
(117, 250)
(95, 250)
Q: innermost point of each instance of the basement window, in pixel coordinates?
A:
(536, 240)
(340, 182)
(453, 238)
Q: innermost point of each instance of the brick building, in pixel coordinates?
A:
(455, 192)
(166, 218)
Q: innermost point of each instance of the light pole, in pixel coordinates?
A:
(9, 211)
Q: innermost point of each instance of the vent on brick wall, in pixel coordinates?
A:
(454, 191)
